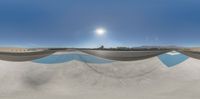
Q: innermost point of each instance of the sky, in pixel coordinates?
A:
(72, 23)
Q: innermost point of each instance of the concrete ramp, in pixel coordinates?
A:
(24, 56)
(124, 55)
(192, 54)
(141, 79)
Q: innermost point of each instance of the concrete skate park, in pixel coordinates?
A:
(99, 74)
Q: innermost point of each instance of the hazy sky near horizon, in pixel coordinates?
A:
(71, 23)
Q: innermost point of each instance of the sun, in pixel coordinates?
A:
(100, 31)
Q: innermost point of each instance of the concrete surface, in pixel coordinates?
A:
(142, 79)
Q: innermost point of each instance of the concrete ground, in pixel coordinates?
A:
(142, 79)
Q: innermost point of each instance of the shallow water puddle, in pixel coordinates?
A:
(172, 58)
(53, 59)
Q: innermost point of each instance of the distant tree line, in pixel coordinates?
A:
(132, 49)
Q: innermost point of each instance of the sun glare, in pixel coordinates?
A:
(100, 31)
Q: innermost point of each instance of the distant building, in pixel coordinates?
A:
(101, 47)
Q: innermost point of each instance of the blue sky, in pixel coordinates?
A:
(71, 23)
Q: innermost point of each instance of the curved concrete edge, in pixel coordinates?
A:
(124, 55)
(75, 80)
(192, 54)
(127, 69)
(27, 56)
